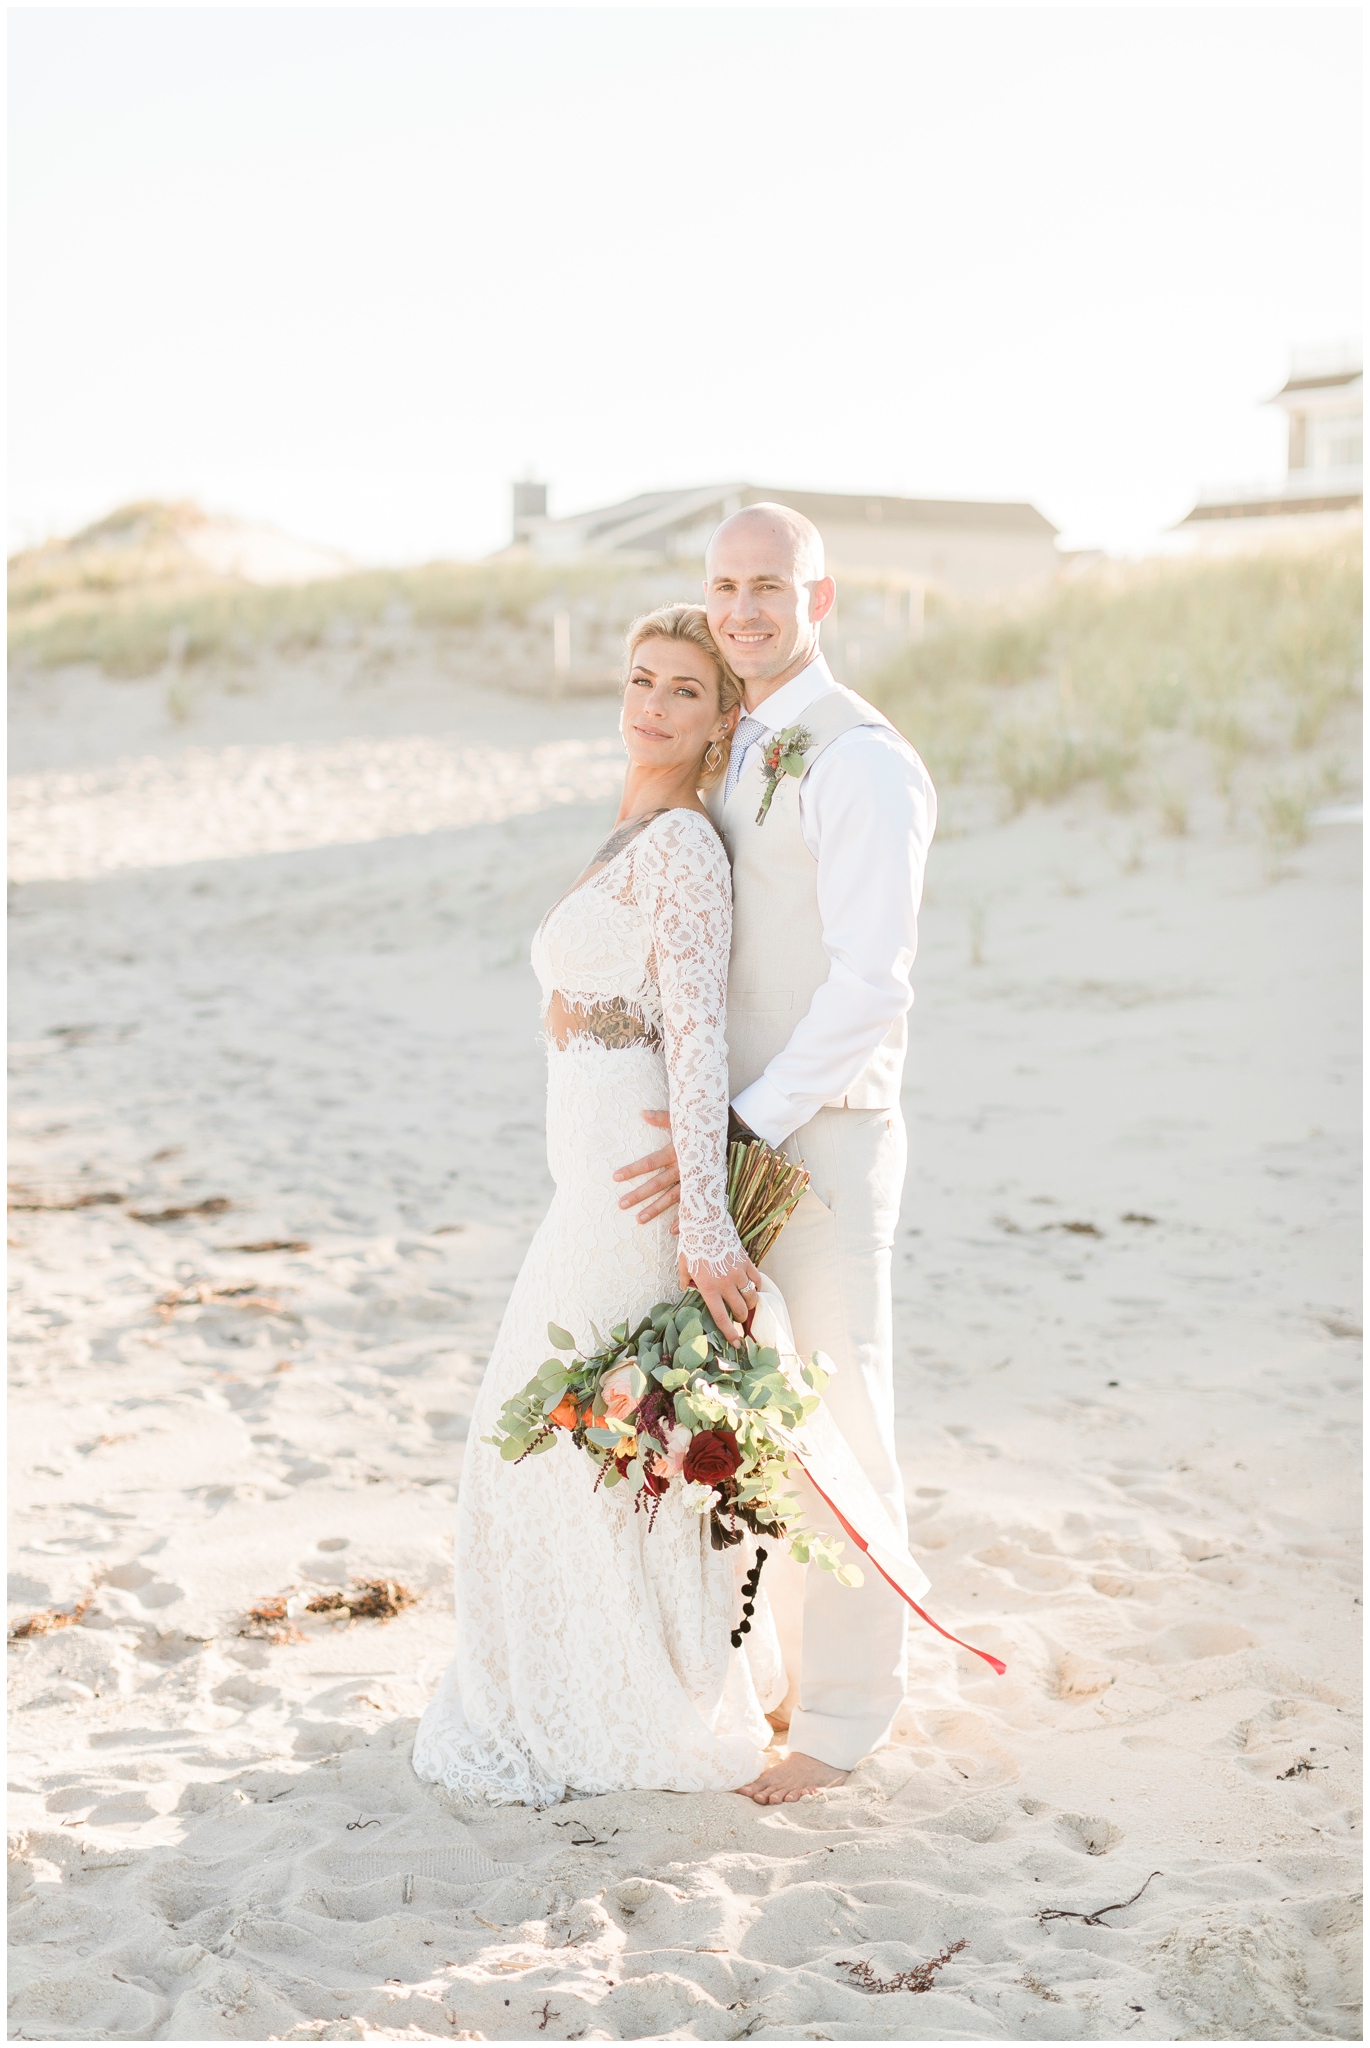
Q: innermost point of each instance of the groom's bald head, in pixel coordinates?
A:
(792, 540)
(765, 592)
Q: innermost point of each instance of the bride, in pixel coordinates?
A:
(592, 1655)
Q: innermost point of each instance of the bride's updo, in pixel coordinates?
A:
(689, 622)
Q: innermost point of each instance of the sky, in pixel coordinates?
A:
(353, 270)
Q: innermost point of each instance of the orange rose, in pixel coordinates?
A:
(566, 1414)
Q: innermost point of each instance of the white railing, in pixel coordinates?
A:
(1298, 485)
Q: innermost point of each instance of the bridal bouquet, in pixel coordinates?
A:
(672, 1403)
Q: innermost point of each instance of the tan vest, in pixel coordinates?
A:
(778, 961)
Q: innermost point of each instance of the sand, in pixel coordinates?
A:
(275, 959)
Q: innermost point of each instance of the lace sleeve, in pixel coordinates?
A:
(683, 885)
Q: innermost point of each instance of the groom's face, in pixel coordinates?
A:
(760, 611)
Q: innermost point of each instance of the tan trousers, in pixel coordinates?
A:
(847, 1645)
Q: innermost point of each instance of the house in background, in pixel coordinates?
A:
(1321, 490)
(964, 547)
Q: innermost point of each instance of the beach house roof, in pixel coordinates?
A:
(1322, 398)
(962, 543)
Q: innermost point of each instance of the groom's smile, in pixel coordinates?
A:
(763, 598)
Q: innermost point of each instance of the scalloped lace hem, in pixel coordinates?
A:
(722, 1259)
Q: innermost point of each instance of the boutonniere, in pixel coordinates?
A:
(784, 756)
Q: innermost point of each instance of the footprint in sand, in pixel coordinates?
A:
(147, 1589)
(1189, 1641)
(1095, 1837)
(325, 1564)
(966, 1746)
(1081, 1678)
(242, 1692)
(1029, 1570)
(169, 1646)
(447, 1427)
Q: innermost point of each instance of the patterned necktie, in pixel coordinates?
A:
(748, 729)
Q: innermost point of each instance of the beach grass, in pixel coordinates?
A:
(1251, 656)
(129, 620)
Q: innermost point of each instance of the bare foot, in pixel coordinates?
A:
(796, 1778)
(780, 1721)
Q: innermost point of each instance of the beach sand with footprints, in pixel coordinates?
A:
(278, 1102)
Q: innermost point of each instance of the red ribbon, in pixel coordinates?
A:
(995, 1663)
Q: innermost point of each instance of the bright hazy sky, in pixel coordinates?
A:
(353, 270)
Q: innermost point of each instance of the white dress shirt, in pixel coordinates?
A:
(867, 812)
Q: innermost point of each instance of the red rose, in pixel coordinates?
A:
(713, 1456)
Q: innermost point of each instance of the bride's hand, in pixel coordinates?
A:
(662, 1192)
(729, 1297)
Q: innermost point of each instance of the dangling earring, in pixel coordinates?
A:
(713, 757)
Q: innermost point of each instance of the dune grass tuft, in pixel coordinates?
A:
(135, 628)
(1251, 655)
(1285, 811)
(1099, 680)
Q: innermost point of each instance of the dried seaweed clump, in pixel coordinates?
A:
(274, 1620)
(30, 1201)
(269, 1622)
(209, 1294)
(364, 1600)
(919, 1978)
(44, 1623)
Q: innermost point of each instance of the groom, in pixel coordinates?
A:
(825, 925)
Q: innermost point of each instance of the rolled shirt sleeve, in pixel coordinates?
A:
(867, 812)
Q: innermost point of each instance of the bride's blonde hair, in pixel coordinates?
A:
(689, 622)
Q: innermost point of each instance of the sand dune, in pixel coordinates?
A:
(1128, 1376)
(233, 802)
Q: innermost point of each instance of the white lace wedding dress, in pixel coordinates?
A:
(594, 1655)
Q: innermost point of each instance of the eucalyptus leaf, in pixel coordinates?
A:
(512, 1447)
(561, 1339)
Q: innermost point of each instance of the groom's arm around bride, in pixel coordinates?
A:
(827, 877)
